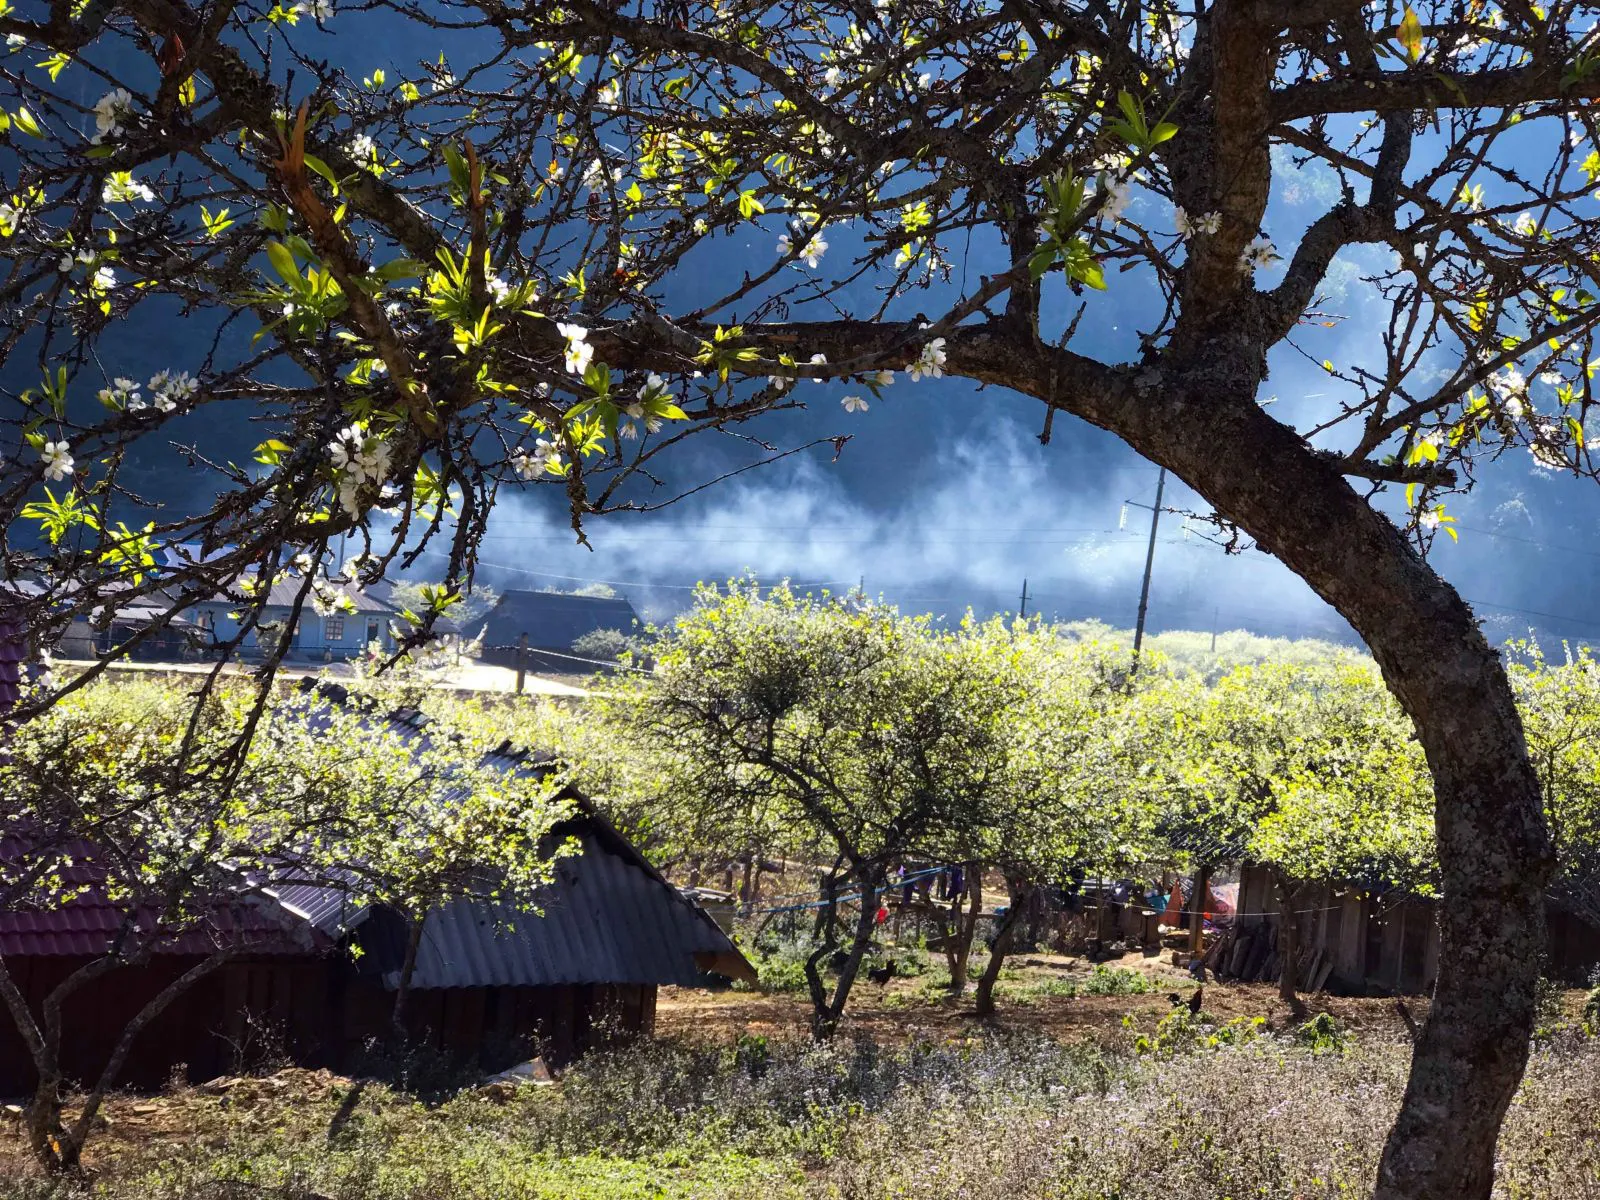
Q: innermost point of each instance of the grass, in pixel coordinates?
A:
(1195, 1112)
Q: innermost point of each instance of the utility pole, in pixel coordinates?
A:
(1149, 564)
(522, 663)
(1216, 615)
(1023, 610)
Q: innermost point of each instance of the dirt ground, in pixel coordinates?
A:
(903, 1009)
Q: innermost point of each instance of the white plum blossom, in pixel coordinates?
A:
(608, 94)
(818, 360)
(579, 352)
(635, 410)
(930, 362)
(122, 188)
(854, 404)
(10, 218)
(498, 288)
(57, 459)
(172, 389)
(104, 280)
(1259, 252)
(1525, 225)
(779, 383)
(109, 113)
(322, 10)
(361, 459)
(595, 175)
(546, 454)
(628, 431)
(123, 393)
(1550, 378)
(362, 146)
(1429, 519)
(1547, 457)
(1189, 227)
(810, 254)
(881, 378)
(1118, 193)
(16, 41)
(1510, 388)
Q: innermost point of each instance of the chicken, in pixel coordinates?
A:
(1194, 1001)
(882, 975)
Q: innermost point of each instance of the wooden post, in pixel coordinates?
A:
(1197, 909)
(522, 663)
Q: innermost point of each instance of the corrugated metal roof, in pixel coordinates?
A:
(603, 921)
(554, 620)
(286, 589)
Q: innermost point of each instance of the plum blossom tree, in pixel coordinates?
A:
(470, 261)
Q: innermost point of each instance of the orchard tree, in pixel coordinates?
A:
(851, 731)
(427, 282)
(1560, 703)
(1058, 802)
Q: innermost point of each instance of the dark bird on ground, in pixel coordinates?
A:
(1194, 1001)
(838, 960)
(882, 975)
(1174, 999)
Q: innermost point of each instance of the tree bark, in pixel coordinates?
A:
(402, 988)
(1019, 895)
(1288, 948)
(72, 1142)
(966, 929)
(825, 1019)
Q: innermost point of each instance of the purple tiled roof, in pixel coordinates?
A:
(86, 925)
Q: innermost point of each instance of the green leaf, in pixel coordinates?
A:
(1410, 34)
(1165, 131)
(322, 168)
(400, 268)
(283, 262)
(271, 452)
(25, 122)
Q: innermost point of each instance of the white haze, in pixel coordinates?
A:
(980, 519)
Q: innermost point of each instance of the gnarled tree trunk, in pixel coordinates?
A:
(1005, 936)
(1288, 947)
(1494, 854)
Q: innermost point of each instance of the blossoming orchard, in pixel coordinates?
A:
(427, 281)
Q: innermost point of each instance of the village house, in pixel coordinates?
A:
(551, 622)
(317, 637)
(314, 976)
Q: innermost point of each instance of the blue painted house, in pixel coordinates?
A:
(317, 637)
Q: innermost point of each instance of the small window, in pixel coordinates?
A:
(374, 630)
(333, 628)
(208, 620)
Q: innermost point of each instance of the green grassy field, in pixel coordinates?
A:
(1188, 1111)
